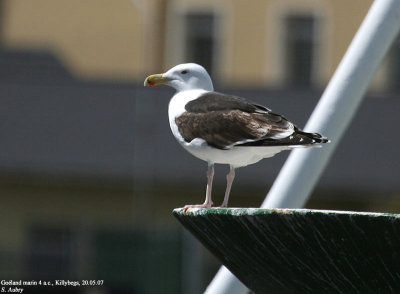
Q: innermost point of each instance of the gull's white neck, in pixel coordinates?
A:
(180, 99)
(177, 107)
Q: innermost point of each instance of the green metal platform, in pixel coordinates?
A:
(301, 250)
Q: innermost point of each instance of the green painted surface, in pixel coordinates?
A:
(301, 250)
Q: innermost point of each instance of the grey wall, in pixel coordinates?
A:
(56, 125)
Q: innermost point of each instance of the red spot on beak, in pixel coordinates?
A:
(152, 83)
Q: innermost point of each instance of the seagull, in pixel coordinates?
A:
(224, 129)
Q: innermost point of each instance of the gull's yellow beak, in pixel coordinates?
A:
(154, 80)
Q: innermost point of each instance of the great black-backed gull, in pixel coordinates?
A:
(224, 129)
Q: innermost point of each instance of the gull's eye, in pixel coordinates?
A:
(184, 72)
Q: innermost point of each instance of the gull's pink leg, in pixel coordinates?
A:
(208, 202)
(229, 180)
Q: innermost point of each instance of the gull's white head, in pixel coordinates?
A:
(182, 77)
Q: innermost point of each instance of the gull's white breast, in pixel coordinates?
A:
(238, 156)
(177, 107)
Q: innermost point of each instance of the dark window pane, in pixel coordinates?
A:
(299, 50)
(200, 39)
(139, 261)
(394, 65)
(50, 253)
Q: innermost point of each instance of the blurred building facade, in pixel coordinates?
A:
(265, 43)
(89, 171)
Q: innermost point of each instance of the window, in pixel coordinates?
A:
(394, 65)
(299, 50)
(200, 39)
(139, 261)
(50, 253)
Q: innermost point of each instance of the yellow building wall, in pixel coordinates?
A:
(249, 53)
(95, 38)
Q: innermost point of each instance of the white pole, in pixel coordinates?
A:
(331, 117)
